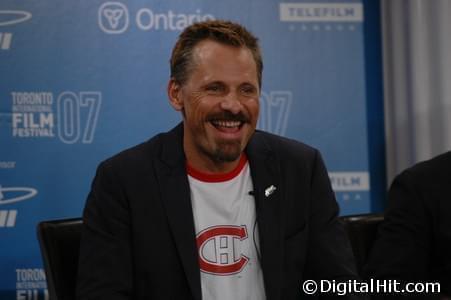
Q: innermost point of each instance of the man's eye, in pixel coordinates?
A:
(213, 88)
(248, 90)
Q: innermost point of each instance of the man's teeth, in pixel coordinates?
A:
(229, 124)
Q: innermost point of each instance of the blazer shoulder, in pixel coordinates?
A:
(437, 169)
(285, 147)
(138, 153)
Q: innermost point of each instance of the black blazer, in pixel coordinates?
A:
(139, 240)
(415, 238)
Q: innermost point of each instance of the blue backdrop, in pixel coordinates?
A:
(82, 80)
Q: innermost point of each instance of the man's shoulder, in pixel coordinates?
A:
(145, 152)
(137, 155)
(285, 147)
(437, 169)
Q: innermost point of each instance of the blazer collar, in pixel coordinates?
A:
(175, 194)
(265, 172)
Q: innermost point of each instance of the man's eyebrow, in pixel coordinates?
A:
(214, 82)
(248, 83)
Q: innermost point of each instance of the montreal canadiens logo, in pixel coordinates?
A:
(219, 249)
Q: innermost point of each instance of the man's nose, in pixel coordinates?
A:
(232, 103)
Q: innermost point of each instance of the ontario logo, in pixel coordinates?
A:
(7, 18)
(217, 246)
(9, 195)
(115, 18)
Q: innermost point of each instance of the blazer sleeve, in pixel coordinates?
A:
(403, 248)
(329, 255)
(105, 262)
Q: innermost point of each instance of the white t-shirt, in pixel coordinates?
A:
(227, 234)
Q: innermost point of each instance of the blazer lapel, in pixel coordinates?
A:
(268, 197)
(175, 195)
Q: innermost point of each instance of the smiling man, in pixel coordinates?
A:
(212, 209)
(219, 102)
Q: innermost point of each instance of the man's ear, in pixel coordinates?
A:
(174, 90)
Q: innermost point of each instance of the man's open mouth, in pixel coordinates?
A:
(226, 124)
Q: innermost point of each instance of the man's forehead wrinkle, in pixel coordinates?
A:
(205, 61)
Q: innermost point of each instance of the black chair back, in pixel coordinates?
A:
(60, 244)
(362, 231)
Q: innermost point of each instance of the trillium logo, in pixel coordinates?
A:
(113, 17)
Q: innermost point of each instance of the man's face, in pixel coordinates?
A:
(220, 103)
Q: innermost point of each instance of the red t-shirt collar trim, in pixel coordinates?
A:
(205, 177)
